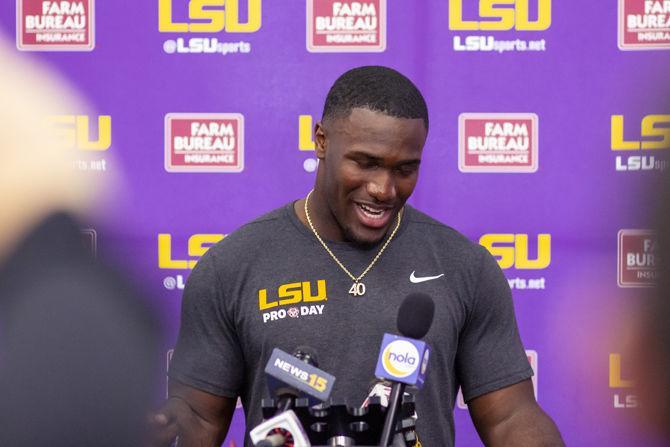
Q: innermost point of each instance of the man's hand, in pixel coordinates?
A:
(163, 427)
(511, 416)
(198, 418)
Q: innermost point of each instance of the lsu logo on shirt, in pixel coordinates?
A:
(208, 16)
(198, 244)
(44, 25)
(644, 24)
(501, 15)
(346, 26)
(204, 142)
(621, 384)
(654, 134)
(636, 252)
(76, 132)
(511, 250)
(295, 294)
(498, 142)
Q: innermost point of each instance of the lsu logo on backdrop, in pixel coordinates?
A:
(346, 26)
(498, 142)
(511, 250)
(89, 238)
(654, 134)
(75, 132)
(43, 25)
(637, 258)
(296, 295)
(305, 126)
(198, 244)
(532, 359)
(644, 24)
(207, 16)
(498, 15)
(204, 142)
(622, 397)
(306, 142)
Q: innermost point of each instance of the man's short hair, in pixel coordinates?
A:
(377, 88)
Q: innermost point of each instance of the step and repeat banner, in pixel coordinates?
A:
(548, 124)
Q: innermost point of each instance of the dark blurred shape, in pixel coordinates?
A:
(651, 346)
(77, 347)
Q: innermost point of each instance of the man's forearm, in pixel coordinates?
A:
(527, 427)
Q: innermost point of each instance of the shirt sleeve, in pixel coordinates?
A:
(207, 355)
(490, 353)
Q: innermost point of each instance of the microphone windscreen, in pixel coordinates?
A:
(307, 354)
(415, 315)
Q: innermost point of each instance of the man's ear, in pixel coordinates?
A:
(320, 141)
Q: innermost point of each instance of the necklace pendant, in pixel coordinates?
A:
(357, 289)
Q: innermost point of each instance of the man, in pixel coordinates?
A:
(330, 270)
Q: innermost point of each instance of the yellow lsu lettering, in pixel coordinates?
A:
(198, 244)
(616, 381)
(209, 19)
(293, 293)
(305, 126)
(654, 128)
(511, 250)
(505, 18)
(317, 382)
(73, 131)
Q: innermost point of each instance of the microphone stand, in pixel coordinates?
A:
(397, 391)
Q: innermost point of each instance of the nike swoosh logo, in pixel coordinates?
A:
(419, 279)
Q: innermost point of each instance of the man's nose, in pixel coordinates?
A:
(381, 186)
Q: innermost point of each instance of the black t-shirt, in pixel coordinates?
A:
(271, 284)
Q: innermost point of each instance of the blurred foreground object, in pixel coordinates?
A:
(650, 346)
(77, 345)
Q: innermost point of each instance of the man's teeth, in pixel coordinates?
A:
(371, 212)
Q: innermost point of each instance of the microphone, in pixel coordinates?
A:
(403, 360)
(283, 429)
(290, 377)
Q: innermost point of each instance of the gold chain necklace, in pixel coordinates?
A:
(357, 288)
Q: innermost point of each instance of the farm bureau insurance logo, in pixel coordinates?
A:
(498, 142)
(644, 24)
(498, 15)
(637, 258)
(207, 16)
(204, 142)
(400, 358)
(55, 25)
(654, 134)
(346, 26)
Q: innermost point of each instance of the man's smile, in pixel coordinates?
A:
(374, 216)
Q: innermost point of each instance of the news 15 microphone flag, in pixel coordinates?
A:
(548, 121)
